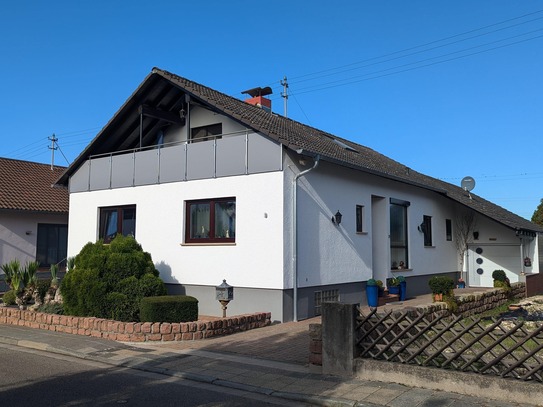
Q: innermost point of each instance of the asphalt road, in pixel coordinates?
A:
(30, 377)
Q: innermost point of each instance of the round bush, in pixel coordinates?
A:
(108, 281)
(499, 275)
(9, 297)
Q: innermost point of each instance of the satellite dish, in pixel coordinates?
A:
(468, 183)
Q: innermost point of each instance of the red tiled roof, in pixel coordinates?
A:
(27, 186)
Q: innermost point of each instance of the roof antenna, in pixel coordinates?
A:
(53, 140)
(467, 184)
(284, 94)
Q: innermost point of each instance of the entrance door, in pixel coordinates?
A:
(484, 259)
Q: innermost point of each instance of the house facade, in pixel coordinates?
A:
(216, 188)
(33, 214)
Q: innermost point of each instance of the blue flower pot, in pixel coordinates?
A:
(403, 290)
(372, 292)
(394, 289)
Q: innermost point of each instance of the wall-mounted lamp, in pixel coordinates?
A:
(337, 218)
(476, 235)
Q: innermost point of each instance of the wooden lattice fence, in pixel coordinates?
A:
(485, 346)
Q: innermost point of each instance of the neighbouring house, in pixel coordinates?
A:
(291, 216)
(33, 214)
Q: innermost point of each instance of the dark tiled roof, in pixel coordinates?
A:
(296, 136)
(27, 186)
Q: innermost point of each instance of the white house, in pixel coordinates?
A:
(33, 215)
(218, 188)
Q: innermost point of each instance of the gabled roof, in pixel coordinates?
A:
(167, 92)
(28, 186)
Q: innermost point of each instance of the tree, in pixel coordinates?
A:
(537, 217)
(463, 231)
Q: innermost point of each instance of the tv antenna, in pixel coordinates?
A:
(467, 184)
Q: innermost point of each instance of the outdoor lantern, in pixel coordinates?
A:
(224, 294)
(337, 218)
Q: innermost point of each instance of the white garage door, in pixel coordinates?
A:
(483, 260)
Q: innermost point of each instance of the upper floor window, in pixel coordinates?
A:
(398, 234)
(205, 133)
(211, 221)
(52, 244)
(116, 220)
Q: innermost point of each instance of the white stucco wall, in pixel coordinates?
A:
(256, 259)
(15, 243)
(329, 254)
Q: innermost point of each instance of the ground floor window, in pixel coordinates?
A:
(52, 244)
(211, 221)
(398, 234)
(116, 220)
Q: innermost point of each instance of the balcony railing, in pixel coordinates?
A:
(226, 155)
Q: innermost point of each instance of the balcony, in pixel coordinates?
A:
(223, 156)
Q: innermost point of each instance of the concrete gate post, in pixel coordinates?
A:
(339, 338)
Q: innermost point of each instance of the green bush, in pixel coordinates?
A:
(9, 297)
(441, 285)
(372, 281)
(108, 281)
(169, 308)
(51, 308)
(499, 275)
(393, 282)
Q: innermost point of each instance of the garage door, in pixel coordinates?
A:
(483, 260)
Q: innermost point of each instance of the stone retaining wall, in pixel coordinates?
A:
(471, 304)
(134, 331)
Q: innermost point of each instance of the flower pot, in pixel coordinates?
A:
(394, 289)
(462, 284)
(403, 290)
(372, 292)
(438, 297)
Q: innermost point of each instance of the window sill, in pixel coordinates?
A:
(361, 233)
(400, 270)
(429, 247)
(209, 244)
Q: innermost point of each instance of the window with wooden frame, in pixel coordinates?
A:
(210, 221)
(205, 133)
(116, 220)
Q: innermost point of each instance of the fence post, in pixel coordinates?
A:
(339, 338)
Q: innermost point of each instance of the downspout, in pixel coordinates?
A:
(294, 237)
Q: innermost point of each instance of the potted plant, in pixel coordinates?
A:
(372, 292)
(440, 286)
(393, 285)
(501, 280)
(381, 291)
(403, 287)
(461, 283)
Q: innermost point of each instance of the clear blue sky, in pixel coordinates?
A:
(448, 88)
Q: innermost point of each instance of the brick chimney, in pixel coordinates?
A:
(258, 99)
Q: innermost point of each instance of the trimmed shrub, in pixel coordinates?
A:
(9, 297)
(441, 285)
(499, 275)
(169, 308)
(108, 281)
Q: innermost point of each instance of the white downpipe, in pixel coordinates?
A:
(294, 237)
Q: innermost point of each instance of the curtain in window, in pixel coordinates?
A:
(225, 219)
(110, 223)
(199, 215)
